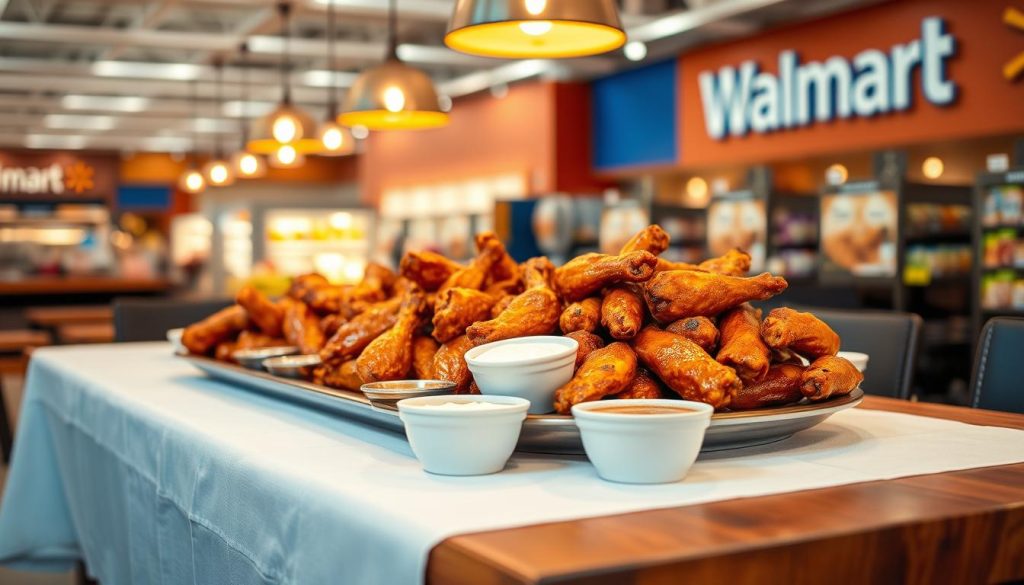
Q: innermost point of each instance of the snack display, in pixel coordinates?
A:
(646, 327)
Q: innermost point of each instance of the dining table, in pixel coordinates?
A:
(133, 462)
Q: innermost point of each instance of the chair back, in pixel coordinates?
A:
(137, 319)
(996, 380)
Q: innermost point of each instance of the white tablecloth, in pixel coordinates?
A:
(153, 473)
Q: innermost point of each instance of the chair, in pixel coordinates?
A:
(149, 319)
(995, 380)
(891, 341)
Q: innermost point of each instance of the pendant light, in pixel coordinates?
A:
(393, 96)
(287, 124)
(335, 139)
(218, 172)
(287, 157)
(192, 181)
(535, 29)
(246, 164)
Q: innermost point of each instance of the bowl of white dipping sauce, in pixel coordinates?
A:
(527, 367)
(463, 434)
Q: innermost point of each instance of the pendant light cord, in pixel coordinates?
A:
(219, 71)
(332, 103)
(194, 95)
(393, 29)
(286, 87)
(244, 110)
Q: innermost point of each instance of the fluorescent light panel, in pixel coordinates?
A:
(171, 71)
(77, 122)
(105, 103)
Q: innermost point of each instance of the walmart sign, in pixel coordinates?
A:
(739, 100)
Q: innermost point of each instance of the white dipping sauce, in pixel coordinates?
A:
(513, 352)
(463, 406)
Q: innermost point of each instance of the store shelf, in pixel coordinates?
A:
(939, 238)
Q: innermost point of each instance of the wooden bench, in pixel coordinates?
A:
(86, 333)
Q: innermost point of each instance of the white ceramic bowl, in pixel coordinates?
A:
(642, 448)
(174, 336)
(463, 441)
(532, 378)
(856, 358)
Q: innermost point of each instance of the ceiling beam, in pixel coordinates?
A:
(151, 17)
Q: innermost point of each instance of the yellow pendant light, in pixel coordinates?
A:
(393, 96)
(535, 29)
(218, 172)
(287, 157)
(248, 165)
(192, 181)
(335, 139)
(287, 124)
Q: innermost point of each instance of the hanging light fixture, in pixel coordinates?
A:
(335, 139)
(192, 181)
(246, 164)
(287, 124)
(218, 172)
(393, 96)
(535, 29)
(287, 157)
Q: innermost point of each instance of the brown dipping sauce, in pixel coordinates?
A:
(644, 409)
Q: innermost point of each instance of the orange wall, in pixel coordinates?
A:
(987, 104)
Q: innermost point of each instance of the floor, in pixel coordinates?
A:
(12, 396)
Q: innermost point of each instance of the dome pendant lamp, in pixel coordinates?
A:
(287, 124)
(393, 96)
(246, 164)
(192, 181)
(335, 139)
(535, 29)
(218, 172)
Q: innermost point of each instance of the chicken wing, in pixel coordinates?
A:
(327, 300)
(450, 364)
(344, 376)
(475, 274)
(801, 333)
(742, 348)
(686, 368)
(781, 385)
(301, 328)
(502, 304)
(582, 315)
(304, 283)
(458, 308)
(735, 262)
(428, 269)
(252, 340)
(263, 312)
(389, 356)
(224, 351)
(829, 376)
(606, 371)
(375, 285)
(504, 268)
(664, 265)
(353, 336)
(700, 330)
(622, 311)
(644, 385)
(534, 312)
(588, 343)
(676, 294)
(202, 337)
(586, 274)
(423, 349)
(652, 239)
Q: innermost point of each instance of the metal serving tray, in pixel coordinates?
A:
(547, 433)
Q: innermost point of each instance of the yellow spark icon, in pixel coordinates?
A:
(78, 177)
(1014, 18)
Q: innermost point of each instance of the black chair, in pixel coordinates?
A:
(995, 380)
(149, 319)
(891, 341)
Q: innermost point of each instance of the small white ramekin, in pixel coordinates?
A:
(642, 448)
(534, 379)
(858, 359)
(174, 336)
(463, 442)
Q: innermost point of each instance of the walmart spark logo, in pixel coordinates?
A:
(78, 177)
(1015, 19)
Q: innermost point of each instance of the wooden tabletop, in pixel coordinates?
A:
(63, 285)
(56, 316)
(956, 527)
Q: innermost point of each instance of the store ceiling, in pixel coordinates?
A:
(115, 74)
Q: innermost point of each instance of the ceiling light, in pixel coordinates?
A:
(248, 165)
(192, 182)
(836, 174)
(932, 167)
(66, 142)
(535, 29)
(179, 71)
(635, 51)
(74, 122)
(106, 103)
(360, 132)
(219, 172)
(287, 157)
(697, 191)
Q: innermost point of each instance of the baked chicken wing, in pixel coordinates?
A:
(588, 342)
(353, 336)
(686, 368)
(534, 312)
(389, 356)
(742, 348)
(781, 385)
(829, 376)
(644, 385)
(301, 328)
(450, 364)
(622, 311)
(429, 270)
(202, 337)
(652, 239)
(700, 330)
(263, 312)
(582, 315)
(589, 273)
(801, 333)
(606, 371)
(457, 308)
(677, 294)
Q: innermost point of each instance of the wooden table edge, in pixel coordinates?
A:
(474, 557)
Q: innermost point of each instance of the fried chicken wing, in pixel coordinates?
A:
(375, 285)
(676, 294)
(253, 340)
(504, 268)
(829, 376)
(781, 385)
(582, 315)
(304, 283)
(327, 300)
(423, 349)
(589, 273)
(301, 328)
(344, 376)
(664, 265)
(353, 336)
(700, 330)
(202, 337)
(588, 343)
(644, 385)
(502, 304)
(606, 371)
(801, 333)
(263, 312)
(534, 312)
(686, 368)
(458, 308)
(475, 274)
(502, 288)
(735, 262)
(429, 270)
(389, 356)
(652, 239)
(450, 364)
(622, 311)
(742, 348)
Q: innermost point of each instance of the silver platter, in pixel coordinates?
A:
(541, 433)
